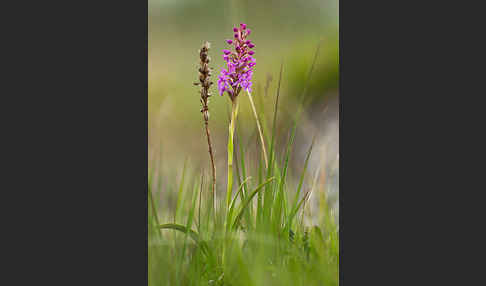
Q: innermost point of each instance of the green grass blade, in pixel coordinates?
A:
(192, 210)
(259, 217)
(268, 195)
(190, 219)
(280, 201)
(199, 208)
(297, 204)
(181, 228)
(294, 212)
(306, 86)
(180, 193)
(260, 132)
(247, 201)
(301, 180)
(230, 213)
(242, 161)
(237, 168)
(153, 206)
(244, 193)
(303, 98)
(192, 234)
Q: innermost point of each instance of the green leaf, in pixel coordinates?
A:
(194, 235)
(247, 202)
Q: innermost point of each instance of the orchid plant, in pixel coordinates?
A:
(233, 79)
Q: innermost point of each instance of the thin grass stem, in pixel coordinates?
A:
(259, 127)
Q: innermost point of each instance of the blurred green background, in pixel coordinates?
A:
(285, 31)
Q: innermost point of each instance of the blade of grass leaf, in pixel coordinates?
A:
(268, 195)
(255, 114)
(237, 145)
(301, 180)
(199, 209)
(294, 212)
(244, 193)
(280, 194)
(303, 98)
(181, 228)
(180, 194)
(247, 201)
(260, 197)
(194, 235)
(230, 213)
(190, 220)
(154, 208)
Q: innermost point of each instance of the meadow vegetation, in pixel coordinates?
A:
(256, 234)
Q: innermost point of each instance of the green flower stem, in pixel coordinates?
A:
(234, 114)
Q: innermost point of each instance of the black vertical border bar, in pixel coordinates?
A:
(79, 74)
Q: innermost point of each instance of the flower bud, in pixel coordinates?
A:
(229, 42)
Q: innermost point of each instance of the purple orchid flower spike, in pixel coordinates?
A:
(239, 64)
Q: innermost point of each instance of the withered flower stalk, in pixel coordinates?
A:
(204, 81)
